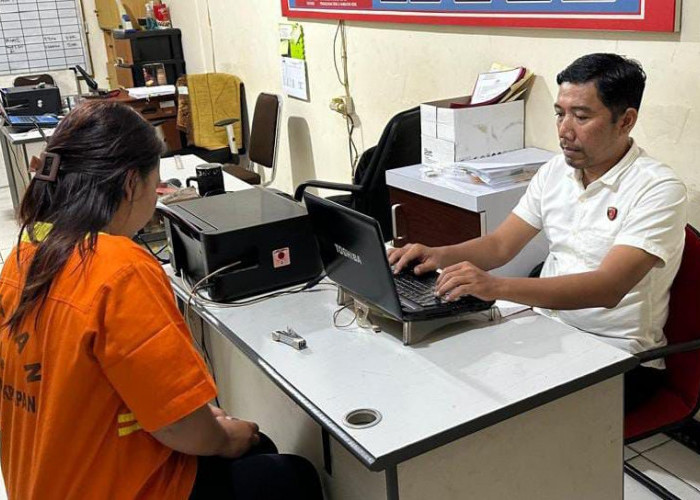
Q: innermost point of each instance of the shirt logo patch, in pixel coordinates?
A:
(612, 213)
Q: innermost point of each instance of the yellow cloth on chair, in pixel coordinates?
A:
(214, 97)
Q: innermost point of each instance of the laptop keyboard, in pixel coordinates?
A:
(420, 290)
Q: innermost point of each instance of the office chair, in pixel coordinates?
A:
(264, 139)
(678, 399)
(399, 146)
(33, 80)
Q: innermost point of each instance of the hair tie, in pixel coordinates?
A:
(45, 167)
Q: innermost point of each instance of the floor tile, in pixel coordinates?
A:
(665, 479)
(650, 442)
(630, 453)
(678, 460)
(637, 491)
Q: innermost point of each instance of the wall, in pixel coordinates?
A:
(394, 67)
(65, 79)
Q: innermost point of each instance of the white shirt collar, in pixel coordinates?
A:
(611, 177)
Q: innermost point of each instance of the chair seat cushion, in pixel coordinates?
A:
(664, 408)
(243, 174)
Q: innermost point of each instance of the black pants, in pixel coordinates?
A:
(640, 384)
(260, 474)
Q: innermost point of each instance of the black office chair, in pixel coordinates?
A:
(399, 146)
(33, 80)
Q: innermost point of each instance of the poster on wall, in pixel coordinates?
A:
(627, 15)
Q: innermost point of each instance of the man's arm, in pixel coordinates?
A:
(622, 268)
(488, 252)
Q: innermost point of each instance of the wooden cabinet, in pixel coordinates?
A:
(108, 14)
(423, 220)
(436, 211)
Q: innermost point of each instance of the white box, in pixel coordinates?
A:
(467, 133)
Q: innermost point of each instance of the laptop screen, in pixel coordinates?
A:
(353, 252)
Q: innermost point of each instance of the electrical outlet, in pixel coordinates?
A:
(343, 105)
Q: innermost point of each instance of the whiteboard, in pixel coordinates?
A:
(41, 35)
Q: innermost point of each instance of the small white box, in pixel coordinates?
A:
(472, 132)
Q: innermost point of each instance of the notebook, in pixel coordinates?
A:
(353, 255)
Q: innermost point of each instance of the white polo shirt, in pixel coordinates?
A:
(640, 203)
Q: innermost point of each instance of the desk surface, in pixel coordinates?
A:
(446, 387)
(26, 137)
(169, 169)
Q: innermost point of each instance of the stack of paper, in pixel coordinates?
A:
(506, 168)
(146, 92)
(501, 84)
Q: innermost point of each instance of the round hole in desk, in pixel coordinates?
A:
(362, 418)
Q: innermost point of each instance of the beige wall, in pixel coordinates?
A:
(393, 67)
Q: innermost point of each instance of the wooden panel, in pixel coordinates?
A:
(431, 222)
(125, 78)
(107, 14)
(122, 51)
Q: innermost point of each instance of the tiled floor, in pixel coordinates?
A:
(669, 463)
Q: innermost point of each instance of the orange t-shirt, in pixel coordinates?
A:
(109, 360)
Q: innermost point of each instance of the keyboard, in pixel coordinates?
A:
(419, 289)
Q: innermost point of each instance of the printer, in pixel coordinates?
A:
(267, 235)
(31, 100)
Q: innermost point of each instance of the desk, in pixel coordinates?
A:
(159, 109)
(524, 407)
(16, 157)
(440, 211)
(170, 169)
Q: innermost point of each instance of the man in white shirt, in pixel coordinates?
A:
(614, 219)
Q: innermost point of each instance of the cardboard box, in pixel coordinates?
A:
(458, 134)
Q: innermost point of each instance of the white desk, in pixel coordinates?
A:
(520, 408)
(16, 157)
(169, 169)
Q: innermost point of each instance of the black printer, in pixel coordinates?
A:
(269, 235)
(30, 100)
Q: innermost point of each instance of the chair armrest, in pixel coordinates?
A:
(337, 186)
(225, 121)
(665, 351)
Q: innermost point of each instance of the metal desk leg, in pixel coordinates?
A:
(11, 180)
(392, 483)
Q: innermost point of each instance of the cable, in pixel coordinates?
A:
(344, 81)
(211, 37)
(337, 312)
(150, 250)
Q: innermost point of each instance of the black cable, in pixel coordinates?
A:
(150, 250)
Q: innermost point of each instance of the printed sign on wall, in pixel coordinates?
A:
(629, 15)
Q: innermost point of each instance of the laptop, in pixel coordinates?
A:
(353, 255)
(27, 122)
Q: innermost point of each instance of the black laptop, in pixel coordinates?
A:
(28, 122)
(353, 255)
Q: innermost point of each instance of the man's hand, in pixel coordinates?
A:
(241, 436)
(466, 279)
(428, 258)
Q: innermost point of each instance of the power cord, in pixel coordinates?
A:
(344, 81)
(150, 250)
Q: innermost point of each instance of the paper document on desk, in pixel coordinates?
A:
(506, 168)
(146, 92)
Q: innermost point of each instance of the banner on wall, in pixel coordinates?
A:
(626, 15)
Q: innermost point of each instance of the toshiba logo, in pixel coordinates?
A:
(347, 253)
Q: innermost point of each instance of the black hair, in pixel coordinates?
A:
(99, 143)
(620, 81)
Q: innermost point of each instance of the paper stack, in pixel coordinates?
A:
(501, 84)
(146, 92)
(498, 170)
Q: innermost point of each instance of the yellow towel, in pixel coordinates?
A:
(214, 97)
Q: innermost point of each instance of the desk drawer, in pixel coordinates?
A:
(156, 108)
(431, 222)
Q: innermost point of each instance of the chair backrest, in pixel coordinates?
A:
(29, 80)
(264, 132)
(399, 146)
(683, 324)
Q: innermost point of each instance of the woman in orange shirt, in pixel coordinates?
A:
(103, 393)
